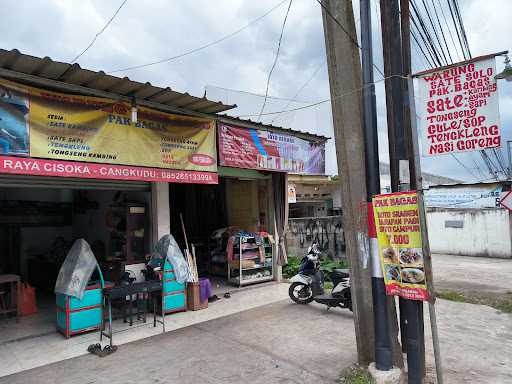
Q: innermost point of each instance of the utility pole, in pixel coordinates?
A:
(344, 69)
(404, 169)
(383, 349)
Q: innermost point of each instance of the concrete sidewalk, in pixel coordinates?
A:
(277, 343)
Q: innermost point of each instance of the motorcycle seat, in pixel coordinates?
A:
(342, 272)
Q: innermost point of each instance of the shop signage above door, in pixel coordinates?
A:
(458, 108)
(51, 125)
(259, 149)
(42, 167)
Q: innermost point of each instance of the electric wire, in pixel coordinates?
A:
(464, 166)
(352, 38)
(100, 32)
(415, 39)
(435, 57)
(324, 101)
(462, 28)
(449, 30)
(457, 30)
(275, 59)
(294, 98)
(428, 38)
(442, 31)
(202, 47)
(435, 31)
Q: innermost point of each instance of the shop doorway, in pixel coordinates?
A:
(214, 214)
(39, 225)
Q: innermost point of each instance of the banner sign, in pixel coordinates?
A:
(41, 167)
(459, 109)
(258, 149)
(465, 196)
(44, 124)
(400, 245)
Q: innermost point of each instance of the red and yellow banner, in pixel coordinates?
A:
(45, 124)
(398, 228)
(42, 167)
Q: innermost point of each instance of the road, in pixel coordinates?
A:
(472, 273)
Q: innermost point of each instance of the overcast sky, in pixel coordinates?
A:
(147, 31)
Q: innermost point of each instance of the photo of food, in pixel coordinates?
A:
(392, 273)
(413, 276)
(411, 256)
(389, 255)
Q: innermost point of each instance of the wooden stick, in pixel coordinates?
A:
(194, 260)
(184, 232)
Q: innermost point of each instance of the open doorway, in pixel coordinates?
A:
(236, 210)
(38, 226)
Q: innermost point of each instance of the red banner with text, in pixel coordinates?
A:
(42, 167)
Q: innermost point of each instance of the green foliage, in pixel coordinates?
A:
(292, 268)
(327, 264)
(355, 375)
(502, 302)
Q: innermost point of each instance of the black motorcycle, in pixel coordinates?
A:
(308, 285)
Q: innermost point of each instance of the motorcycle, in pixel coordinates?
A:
(308, 285)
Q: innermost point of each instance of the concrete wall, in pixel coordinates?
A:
(297, 229)
(470, 232)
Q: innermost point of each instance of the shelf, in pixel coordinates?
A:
(259, 267)
(251, 281)
(247, 248)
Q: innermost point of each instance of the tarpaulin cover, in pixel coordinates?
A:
(76, 270)
(167, 247)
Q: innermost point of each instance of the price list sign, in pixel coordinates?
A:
(459, 109)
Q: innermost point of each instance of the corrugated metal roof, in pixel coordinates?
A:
(246, 123)
(73, 74)
(65, 77)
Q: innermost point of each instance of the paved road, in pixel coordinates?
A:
(472, 273)
(278, 343)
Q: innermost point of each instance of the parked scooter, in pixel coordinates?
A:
(308, 284)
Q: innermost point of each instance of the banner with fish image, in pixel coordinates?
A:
(400, 244)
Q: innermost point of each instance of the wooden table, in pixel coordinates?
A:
(15, 293)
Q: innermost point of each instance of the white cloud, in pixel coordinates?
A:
(146, 31)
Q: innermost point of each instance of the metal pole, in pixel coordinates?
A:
(424, 234)
(383, 350)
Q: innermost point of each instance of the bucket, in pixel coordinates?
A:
(194, 302)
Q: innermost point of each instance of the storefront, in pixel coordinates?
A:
(124, 167)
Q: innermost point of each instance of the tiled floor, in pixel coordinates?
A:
(19, 351)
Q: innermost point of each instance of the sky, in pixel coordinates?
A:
(236, 69)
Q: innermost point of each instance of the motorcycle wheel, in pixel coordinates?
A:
(300, 293)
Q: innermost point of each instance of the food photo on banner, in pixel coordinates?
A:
(459, 108)
(400, 244)
(97, 130)
(258, 149)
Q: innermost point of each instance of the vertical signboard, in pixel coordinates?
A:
(400, 244)
(458, 108)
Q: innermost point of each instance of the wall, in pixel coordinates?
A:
(298, 230)
(484, 232)
(242, 204)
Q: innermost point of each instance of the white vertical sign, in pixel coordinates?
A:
(458, 108)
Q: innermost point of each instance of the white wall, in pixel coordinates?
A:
(485, 232)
